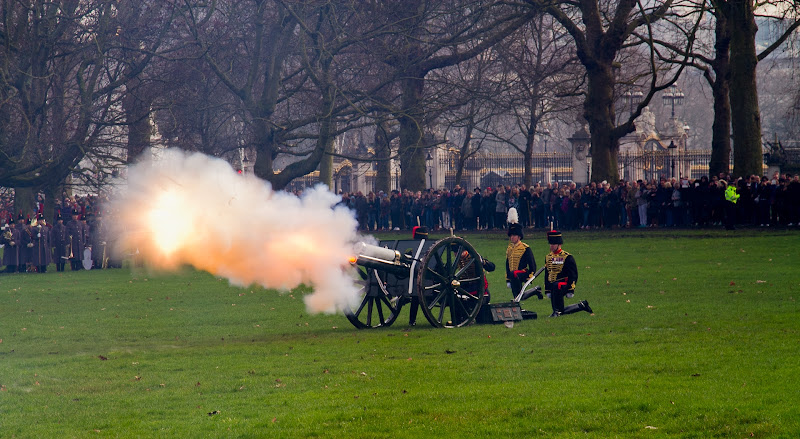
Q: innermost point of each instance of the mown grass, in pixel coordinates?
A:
(695, 335)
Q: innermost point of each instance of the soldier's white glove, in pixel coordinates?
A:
(12, 243)
(508, 284)
(30, 245)
(570, 295)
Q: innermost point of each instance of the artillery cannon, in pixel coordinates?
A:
(445, 277)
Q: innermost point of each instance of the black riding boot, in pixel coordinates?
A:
(580, 306)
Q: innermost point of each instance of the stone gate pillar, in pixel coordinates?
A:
(581, 159)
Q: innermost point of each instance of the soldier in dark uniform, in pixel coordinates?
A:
(11, 240)
(472, 286)
(26, 248)
(40, 252)
(520, 264)
(560, 277)
(99, 250)
(87, 236)
(59, 240)
(75, 241)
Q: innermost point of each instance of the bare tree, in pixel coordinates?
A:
(283, 63)
(730, 69)
(469, 103)
(63, 67)
(600, 32)
(417, 37)
(746, 119)
(545, 80)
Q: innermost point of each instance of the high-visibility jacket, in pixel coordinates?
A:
(731, 194)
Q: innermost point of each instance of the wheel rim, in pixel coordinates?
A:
(376, 307)
(450, 283)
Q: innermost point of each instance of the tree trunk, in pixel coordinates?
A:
(530, 139)
(464, 153)
(51, 195)
(720, 89)
(383, 177)
(599, 113)
(137, 116)
(265, 149)
(412, 146)
(326, 165)
(745, 113)
(24, 201)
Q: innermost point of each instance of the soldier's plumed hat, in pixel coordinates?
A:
(419, 232)
(554, 237)
(513, 224)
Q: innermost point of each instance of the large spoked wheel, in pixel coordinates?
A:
(450, 283)
(376, 308)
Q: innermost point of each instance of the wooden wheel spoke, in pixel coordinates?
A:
(437, 300)
(463, 269)
(460, 304)
(457, 255)
(379, 308)
(464, 294)
(440, 318)
(361, 307)
(438, 259)
(469, 279)
(388, 302)
(435, 274)
(433, 286)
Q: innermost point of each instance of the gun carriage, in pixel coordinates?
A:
(445, 277)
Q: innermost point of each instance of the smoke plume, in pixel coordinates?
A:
(194, 209)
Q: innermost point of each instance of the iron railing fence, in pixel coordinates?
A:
(493, 169)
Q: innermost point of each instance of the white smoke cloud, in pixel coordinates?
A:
(194, 209)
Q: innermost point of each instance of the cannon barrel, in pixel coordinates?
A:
(382, 258)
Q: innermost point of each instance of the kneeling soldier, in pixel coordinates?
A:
(560, 277)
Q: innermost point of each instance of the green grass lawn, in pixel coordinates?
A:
(695, 334)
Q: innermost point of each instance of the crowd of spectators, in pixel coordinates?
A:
(86, 206)
(764, 202)
(40, 238)
(667, 202)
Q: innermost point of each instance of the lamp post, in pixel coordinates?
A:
(673, 96)
(588, 165)
(672, 147)
(633, 99)
(429, 161)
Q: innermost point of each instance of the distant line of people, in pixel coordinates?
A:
(667, 202)
(32, 244)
